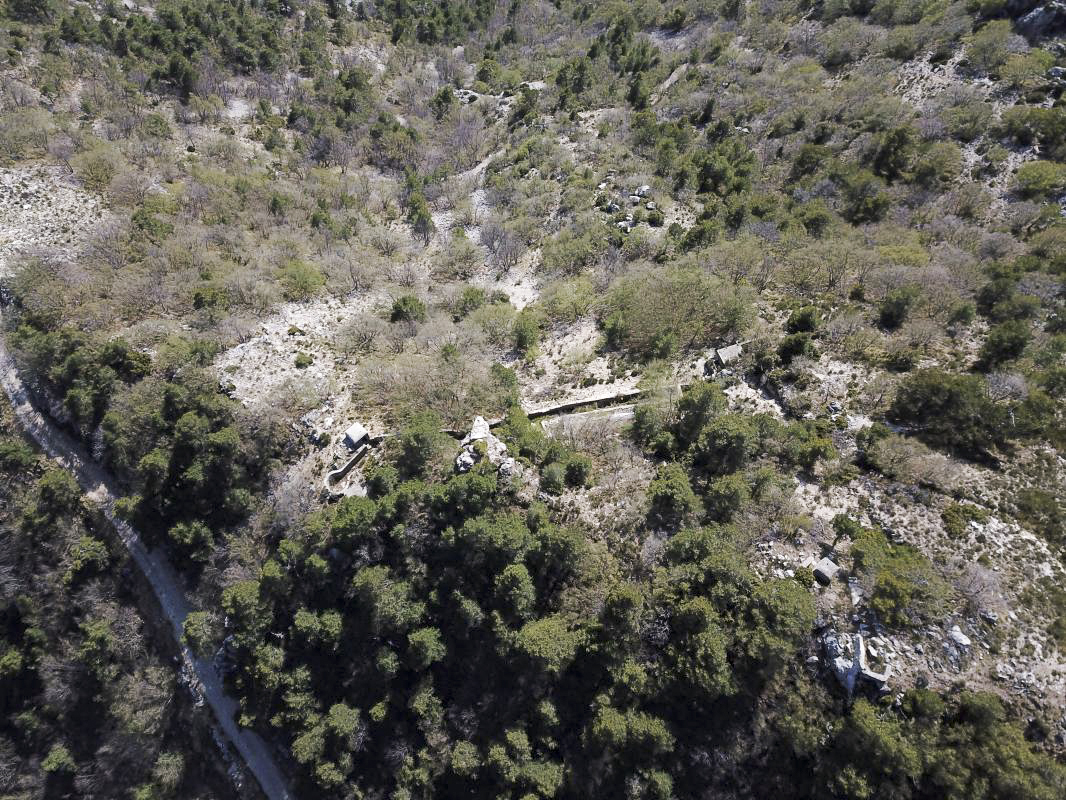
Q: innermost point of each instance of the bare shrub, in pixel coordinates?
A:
(909, 461)
(360, 335)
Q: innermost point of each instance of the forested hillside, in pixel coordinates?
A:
(90, 701)
(537, 399)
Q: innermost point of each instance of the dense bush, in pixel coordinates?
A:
(956, 747)
(904, 586)
(81, 372)
(658, 312)
(408, 308)
(670, 496)
(951, 411)
(83, 687)
(1039, 179)
(1005, 342)
(896, 305)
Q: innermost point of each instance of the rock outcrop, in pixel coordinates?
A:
(1045, 20)
(482, 443)
(846, 656)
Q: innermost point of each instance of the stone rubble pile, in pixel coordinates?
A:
(482, 443)
(846, 656)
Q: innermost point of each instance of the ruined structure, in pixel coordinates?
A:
(482, 443)
(846, 656)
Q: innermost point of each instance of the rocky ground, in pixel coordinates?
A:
(42, 209)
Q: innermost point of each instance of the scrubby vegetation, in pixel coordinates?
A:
(762, 303)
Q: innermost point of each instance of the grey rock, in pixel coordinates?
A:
(960, 638)
(846, 657)
(480, 433)
(1046, 20)
(855, 591)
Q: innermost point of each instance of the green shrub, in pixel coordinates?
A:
(15, 456)
(809, 159)
(906, 586)
(526, 331)
(951, 411)
(938, 165)
(725, 444)
(803, 320)
(865, 198)
(1044, 126)
(198, 632)
(471, 299)
(1005, 342)
(893, 151)
(1043, 513)
(796, 344)
(578, 470)
(419, 444)
(553, 478)
(987, 48)
(726, 495)
(59, 760)
(968, 121)
(958, 515)
(407, 308)
(193, 540)
(670, 497)
(896, 305)
(1039, 179)
(300, 280)
(575, 247)
(568, 300)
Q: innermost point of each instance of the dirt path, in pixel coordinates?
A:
(99, 489)
(664, 87)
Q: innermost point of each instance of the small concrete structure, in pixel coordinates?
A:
(355, 436)
(825, 570)
(727, 355)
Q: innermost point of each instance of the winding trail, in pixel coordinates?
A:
(100, 490)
